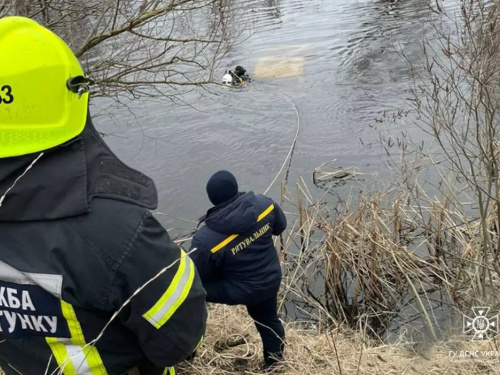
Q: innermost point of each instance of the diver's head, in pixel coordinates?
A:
(239, 70)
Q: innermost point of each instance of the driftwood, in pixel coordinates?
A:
(328, 173)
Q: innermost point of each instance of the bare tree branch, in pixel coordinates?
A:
(130, 47)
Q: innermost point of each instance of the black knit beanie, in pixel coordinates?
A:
(221, 187)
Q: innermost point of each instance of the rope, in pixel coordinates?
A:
(182, 240)
(290, 153)
(288, 156)
(17, 179)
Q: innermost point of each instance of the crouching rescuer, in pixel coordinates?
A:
(83, 285)
(237, 260)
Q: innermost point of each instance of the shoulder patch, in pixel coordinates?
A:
(29, 310)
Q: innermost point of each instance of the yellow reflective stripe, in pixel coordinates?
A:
(95, 361)
(199, 344)
(61, 355)
(223, 243)
(169, 371)
(95, 364)
(156, 309)
(265, 213)
(73, 324)
(73, 355)
(175, 295)
(182, 297)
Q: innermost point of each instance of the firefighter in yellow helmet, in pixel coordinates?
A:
(77, 239)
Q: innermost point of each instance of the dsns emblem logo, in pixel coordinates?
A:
(482, 325)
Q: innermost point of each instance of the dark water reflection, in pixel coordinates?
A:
(343, 59)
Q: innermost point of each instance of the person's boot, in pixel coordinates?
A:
(272, 365)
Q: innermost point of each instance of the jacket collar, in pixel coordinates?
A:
(218, 207)
(236, 217)
(63, 182)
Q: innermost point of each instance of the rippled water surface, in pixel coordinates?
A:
(339, 61)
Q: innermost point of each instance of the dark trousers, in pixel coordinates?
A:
(271, 330)
(264, 314)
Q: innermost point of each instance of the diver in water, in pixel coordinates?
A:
(236, 77)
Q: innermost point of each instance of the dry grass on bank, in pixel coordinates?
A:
(309, 352)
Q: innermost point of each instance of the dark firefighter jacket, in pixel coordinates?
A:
(76, 242)
(236, 246)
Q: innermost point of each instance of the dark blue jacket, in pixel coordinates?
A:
(236, 245)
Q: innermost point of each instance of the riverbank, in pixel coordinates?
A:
(335, 352)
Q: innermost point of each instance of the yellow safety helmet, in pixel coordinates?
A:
(43, 90)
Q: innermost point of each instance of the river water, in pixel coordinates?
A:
(340, 62)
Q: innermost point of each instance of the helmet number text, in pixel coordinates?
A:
(6, 95)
